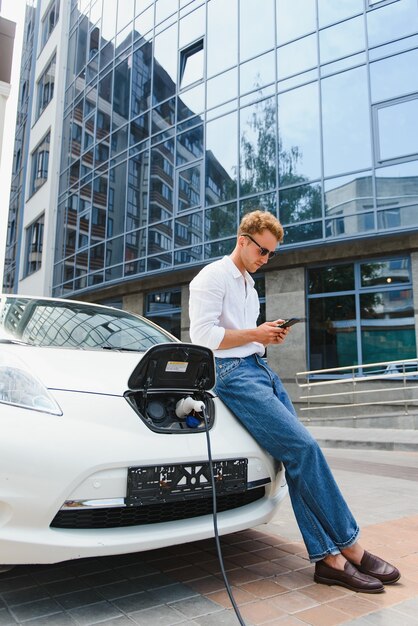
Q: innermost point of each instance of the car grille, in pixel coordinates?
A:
(115, 517)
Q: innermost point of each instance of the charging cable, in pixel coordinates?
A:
(215, 520)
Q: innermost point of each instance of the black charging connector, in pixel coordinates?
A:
(215, 523)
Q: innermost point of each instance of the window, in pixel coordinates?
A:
(361, 313)
(189, 183)
(191, 64)
(33, 252)
(40, 159)
(396, 130)
(49, 21)
(164, 308)
(46, 87)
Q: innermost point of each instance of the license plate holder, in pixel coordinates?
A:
(155, 484)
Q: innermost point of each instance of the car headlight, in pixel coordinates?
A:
(19, 387)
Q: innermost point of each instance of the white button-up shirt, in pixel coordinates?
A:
(222, 298)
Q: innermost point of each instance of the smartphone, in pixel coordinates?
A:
(289, 322)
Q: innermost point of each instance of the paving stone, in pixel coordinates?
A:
(58, 619)
(6, 619)
(79, 598)
(20, 596)
(196, 606)
(40, 608)
(224, 618)
(172, 593)
(137, 602)
(158, 616)
(94, 613)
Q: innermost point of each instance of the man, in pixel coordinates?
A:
(224, 308)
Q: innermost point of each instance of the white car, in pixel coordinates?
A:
(103, 446)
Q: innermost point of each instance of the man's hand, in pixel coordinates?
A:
(269, 333)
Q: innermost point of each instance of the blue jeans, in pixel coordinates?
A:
(255, 394)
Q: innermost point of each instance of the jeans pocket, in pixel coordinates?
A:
(224, 367)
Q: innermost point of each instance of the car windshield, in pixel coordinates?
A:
(66, 324)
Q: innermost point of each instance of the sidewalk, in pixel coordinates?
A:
(375, 438)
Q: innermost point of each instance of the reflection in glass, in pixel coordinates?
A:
(350, 224)
(303, 232)
(189, 187)
(397, 195)
(114, 251)
(387, 272)
(297, 57)
(159, 262)
(254, 40)
(192, 26)
(330, 11)
(163, 115)
(165, 64)
(109, 21)
(222, 88)
(160, 238)
(162, 181)
(190, 145)
(219, 248)
(257, 73)
(331, 278)
(298, 204)
(394, 77)
(188, 230)
(221, 159)
(288, 27)
(221, 222)
(121, 93)
(387, 325)
(332, 332)
(191, 64)
(144, 24)
(222, 26)
(392, 21)
(164, 309)
(264, 202)
(299, 135)
(190, 104)
(348, 194)
(188, 255)
(137, 200)
(398, 130)
(346, 128)
(135, 245)
(117, 199)
(258, 142)
(141, 79)
(342, 39)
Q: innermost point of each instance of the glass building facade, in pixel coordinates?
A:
(182, 115)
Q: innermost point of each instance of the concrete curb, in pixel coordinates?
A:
(366, 438)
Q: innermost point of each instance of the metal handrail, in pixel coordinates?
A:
(356, 375)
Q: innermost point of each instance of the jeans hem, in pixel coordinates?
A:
(334, 551)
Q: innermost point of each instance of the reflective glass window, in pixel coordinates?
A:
(264, 202)
(49, 21)
(397, 195)
(160, 238)
(256, 25)
(299, 204)
(192, 26)
(135, 245)
(137, 204)
(109, 21)
(385, 272)
(34, 242)
(299, 135)
(191, 64)
(189, 185)
(190, 145)
(144, 23)
(162, 181)
(163, 10)
(46, 87)
(296, 57)
(303, 232)
(190, 104)
(346, 124)
(342, 39)
(165, 64)
(164, 308)
(188, 230)
(348, 195)
(114, 253)
(222, 88)
(222, 26)
(258, 141)
(332, 332)
(397, 129)
(257, 73)
(331, 278)
(141, 79)
(221, 221)
(163, 115)
(330, 11)
(117, 200)
(394, 77)
(392, 21)
(221, 159)
(387, 325)
(288, 27)
(125, 15)
(121, 93)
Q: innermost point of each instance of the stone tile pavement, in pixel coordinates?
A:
(267, 567)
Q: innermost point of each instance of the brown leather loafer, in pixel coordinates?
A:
(350, 578)
(378, 568)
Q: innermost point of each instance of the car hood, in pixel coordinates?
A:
(94, 371)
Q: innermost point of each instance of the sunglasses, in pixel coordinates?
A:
(263, 251)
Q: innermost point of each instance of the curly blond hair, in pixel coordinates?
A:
(257, 221)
